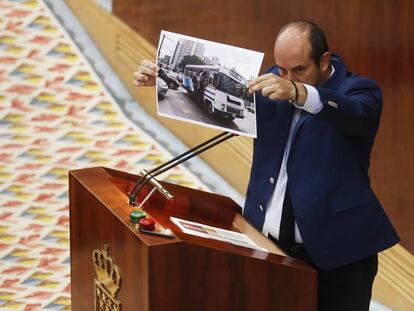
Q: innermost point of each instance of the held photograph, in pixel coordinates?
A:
(204, 82)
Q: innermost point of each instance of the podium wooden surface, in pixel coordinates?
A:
(184, 273)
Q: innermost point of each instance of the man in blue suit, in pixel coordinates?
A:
(309, 189)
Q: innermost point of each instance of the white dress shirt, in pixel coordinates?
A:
(313, 104)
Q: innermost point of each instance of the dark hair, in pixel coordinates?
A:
(317, 39)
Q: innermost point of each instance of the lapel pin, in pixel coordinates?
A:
(333, 104)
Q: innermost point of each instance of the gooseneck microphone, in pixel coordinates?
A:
(150, 176)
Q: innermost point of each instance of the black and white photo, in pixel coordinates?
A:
(204, 82)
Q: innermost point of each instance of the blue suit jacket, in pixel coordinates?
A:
(338, 215)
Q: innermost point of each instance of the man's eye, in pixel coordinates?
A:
(299, 70)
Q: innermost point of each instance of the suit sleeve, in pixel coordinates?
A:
(354, 110)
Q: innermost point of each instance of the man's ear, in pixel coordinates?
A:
(325, 61)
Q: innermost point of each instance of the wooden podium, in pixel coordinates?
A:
(146, 272)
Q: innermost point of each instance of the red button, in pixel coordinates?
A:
(147, 224)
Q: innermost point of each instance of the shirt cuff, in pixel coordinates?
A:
(313, 103)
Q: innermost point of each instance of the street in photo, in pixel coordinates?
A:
(204, 82)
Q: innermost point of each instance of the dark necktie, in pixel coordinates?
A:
(287, 222)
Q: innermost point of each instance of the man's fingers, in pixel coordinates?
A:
(150, 65)
(139, 76)
(147, 71)
(260, 79)
(259, 83)
(259, 86)
(271, 86)
(142, 83)
(276, 91)
(271, 91)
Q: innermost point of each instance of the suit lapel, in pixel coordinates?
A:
(284, 120)
(339, 74)
(303, 117)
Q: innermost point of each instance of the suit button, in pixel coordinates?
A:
(272, 180)
(261, 208)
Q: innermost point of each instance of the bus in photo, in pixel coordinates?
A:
(221, 90)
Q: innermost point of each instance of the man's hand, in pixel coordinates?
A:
(146, 73)
(275, 87)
